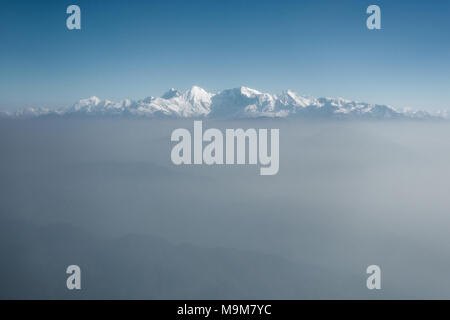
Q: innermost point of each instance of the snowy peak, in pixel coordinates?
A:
(289, 97)
(171, 94)
(194, 102)
(248, 92)
(241, 102)
(86, 103)
(198, 95)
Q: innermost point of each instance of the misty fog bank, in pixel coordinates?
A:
(104, 194)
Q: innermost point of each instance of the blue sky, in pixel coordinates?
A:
(135, 48)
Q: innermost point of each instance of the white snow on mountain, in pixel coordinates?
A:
(240, 102)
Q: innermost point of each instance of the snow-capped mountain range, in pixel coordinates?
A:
(240, 102)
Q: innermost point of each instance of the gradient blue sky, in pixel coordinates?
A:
(135, 48)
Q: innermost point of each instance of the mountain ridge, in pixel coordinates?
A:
(241, 102)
